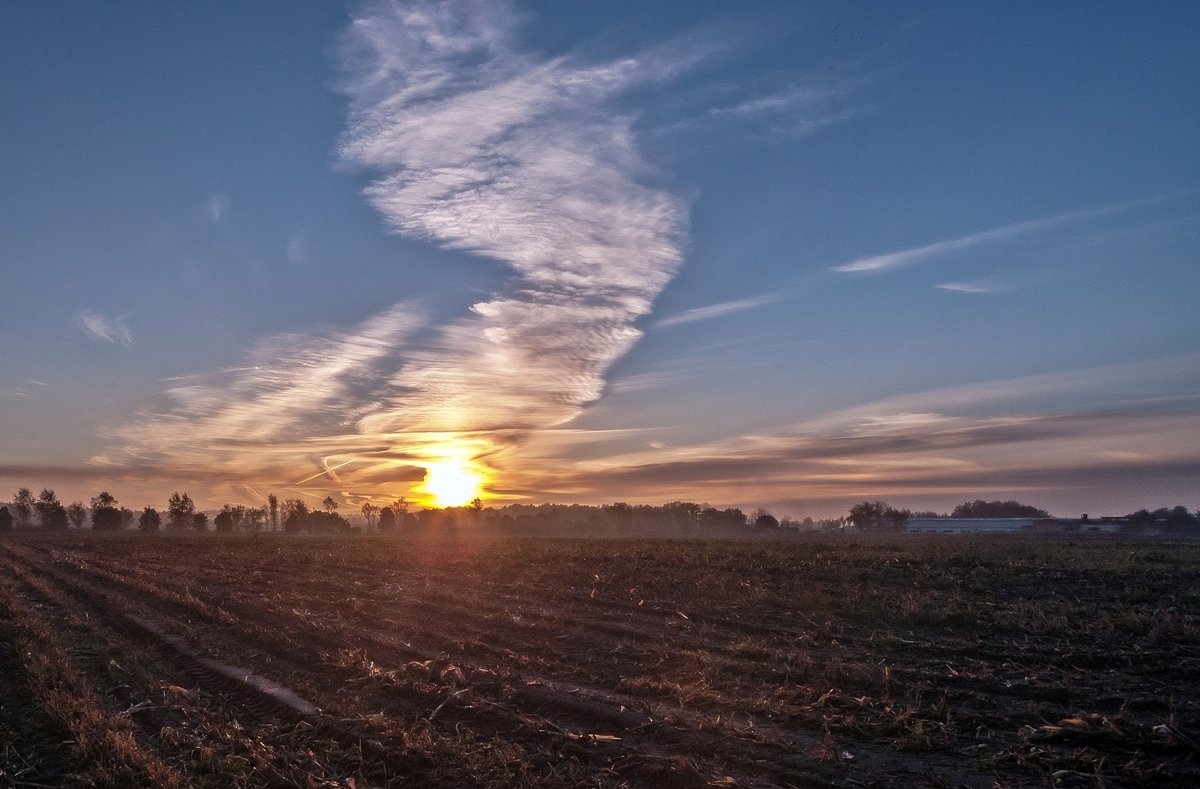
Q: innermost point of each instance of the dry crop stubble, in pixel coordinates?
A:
(892, 661)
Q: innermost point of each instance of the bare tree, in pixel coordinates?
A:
(369, 512)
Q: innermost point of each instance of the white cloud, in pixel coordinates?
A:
(295, 400)
(103, 329)
(977, 286)
(475, 146)
(482, 148)
(906, 257)
(721, 309)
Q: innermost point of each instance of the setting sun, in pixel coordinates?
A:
(452, 483)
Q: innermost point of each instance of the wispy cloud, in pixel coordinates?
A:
(1077, 429)
(104, 329)
(476, 146)
(722, 308)
(906, 257)
(976, 286)
(297, 248)
(215, 207)
(291, 406)
(483, 148)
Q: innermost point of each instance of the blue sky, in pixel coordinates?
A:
(784, 254)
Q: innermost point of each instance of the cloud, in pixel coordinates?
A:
(721, 309)
(292, 406)
(796, 109)
(215, 207)
(103, 329)
(482, 148)
(297, 248)
(476, 146)
(1066, 434)
(906, 257)
(978, 286)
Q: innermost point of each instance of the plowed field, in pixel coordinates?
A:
(897, 661)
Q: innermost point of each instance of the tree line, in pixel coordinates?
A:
(677, 518)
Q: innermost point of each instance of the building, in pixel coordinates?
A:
(970, 525)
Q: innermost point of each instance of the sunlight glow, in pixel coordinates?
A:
(452, 483)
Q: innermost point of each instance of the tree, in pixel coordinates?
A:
(294, 513)
(731, 518)
(369, 512)
(149, 520)
(387, 519)
(180, 509)
(77, 514)
(23, 506)
(253, 519)
(324, 523)
(273, 508)
(761, 519)
(878, 515)
(997, 509)
(329, 504)
(223, 523)
(126, 517)
(105, 515)
(683, 515)
(51, 512)
(200, 522)
(6, 519)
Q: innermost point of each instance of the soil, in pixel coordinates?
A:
(273, 660)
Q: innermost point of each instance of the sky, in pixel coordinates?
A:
(782, 254)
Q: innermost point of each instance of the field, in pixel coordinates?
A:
(832, 661)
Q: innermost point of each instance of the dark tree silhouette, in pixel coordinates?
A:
(273, 508)
(51, 512)
(200, 522)
(180, 509)
(149, 520)
(6, 519)
(761, 519)
(997, 509)
(23, 506)
(878, 515)
(105, 515)
(77, 514)
(369, 512)
(329, 504)
(223, 522)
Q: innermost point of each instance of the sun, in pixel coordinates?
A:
(452, 483)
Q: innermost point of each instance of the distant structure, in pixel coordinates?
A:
(1084, 524)
(971, 525)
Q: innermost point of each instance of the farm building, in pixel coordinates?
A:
(970, 525)
(1013, 525)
